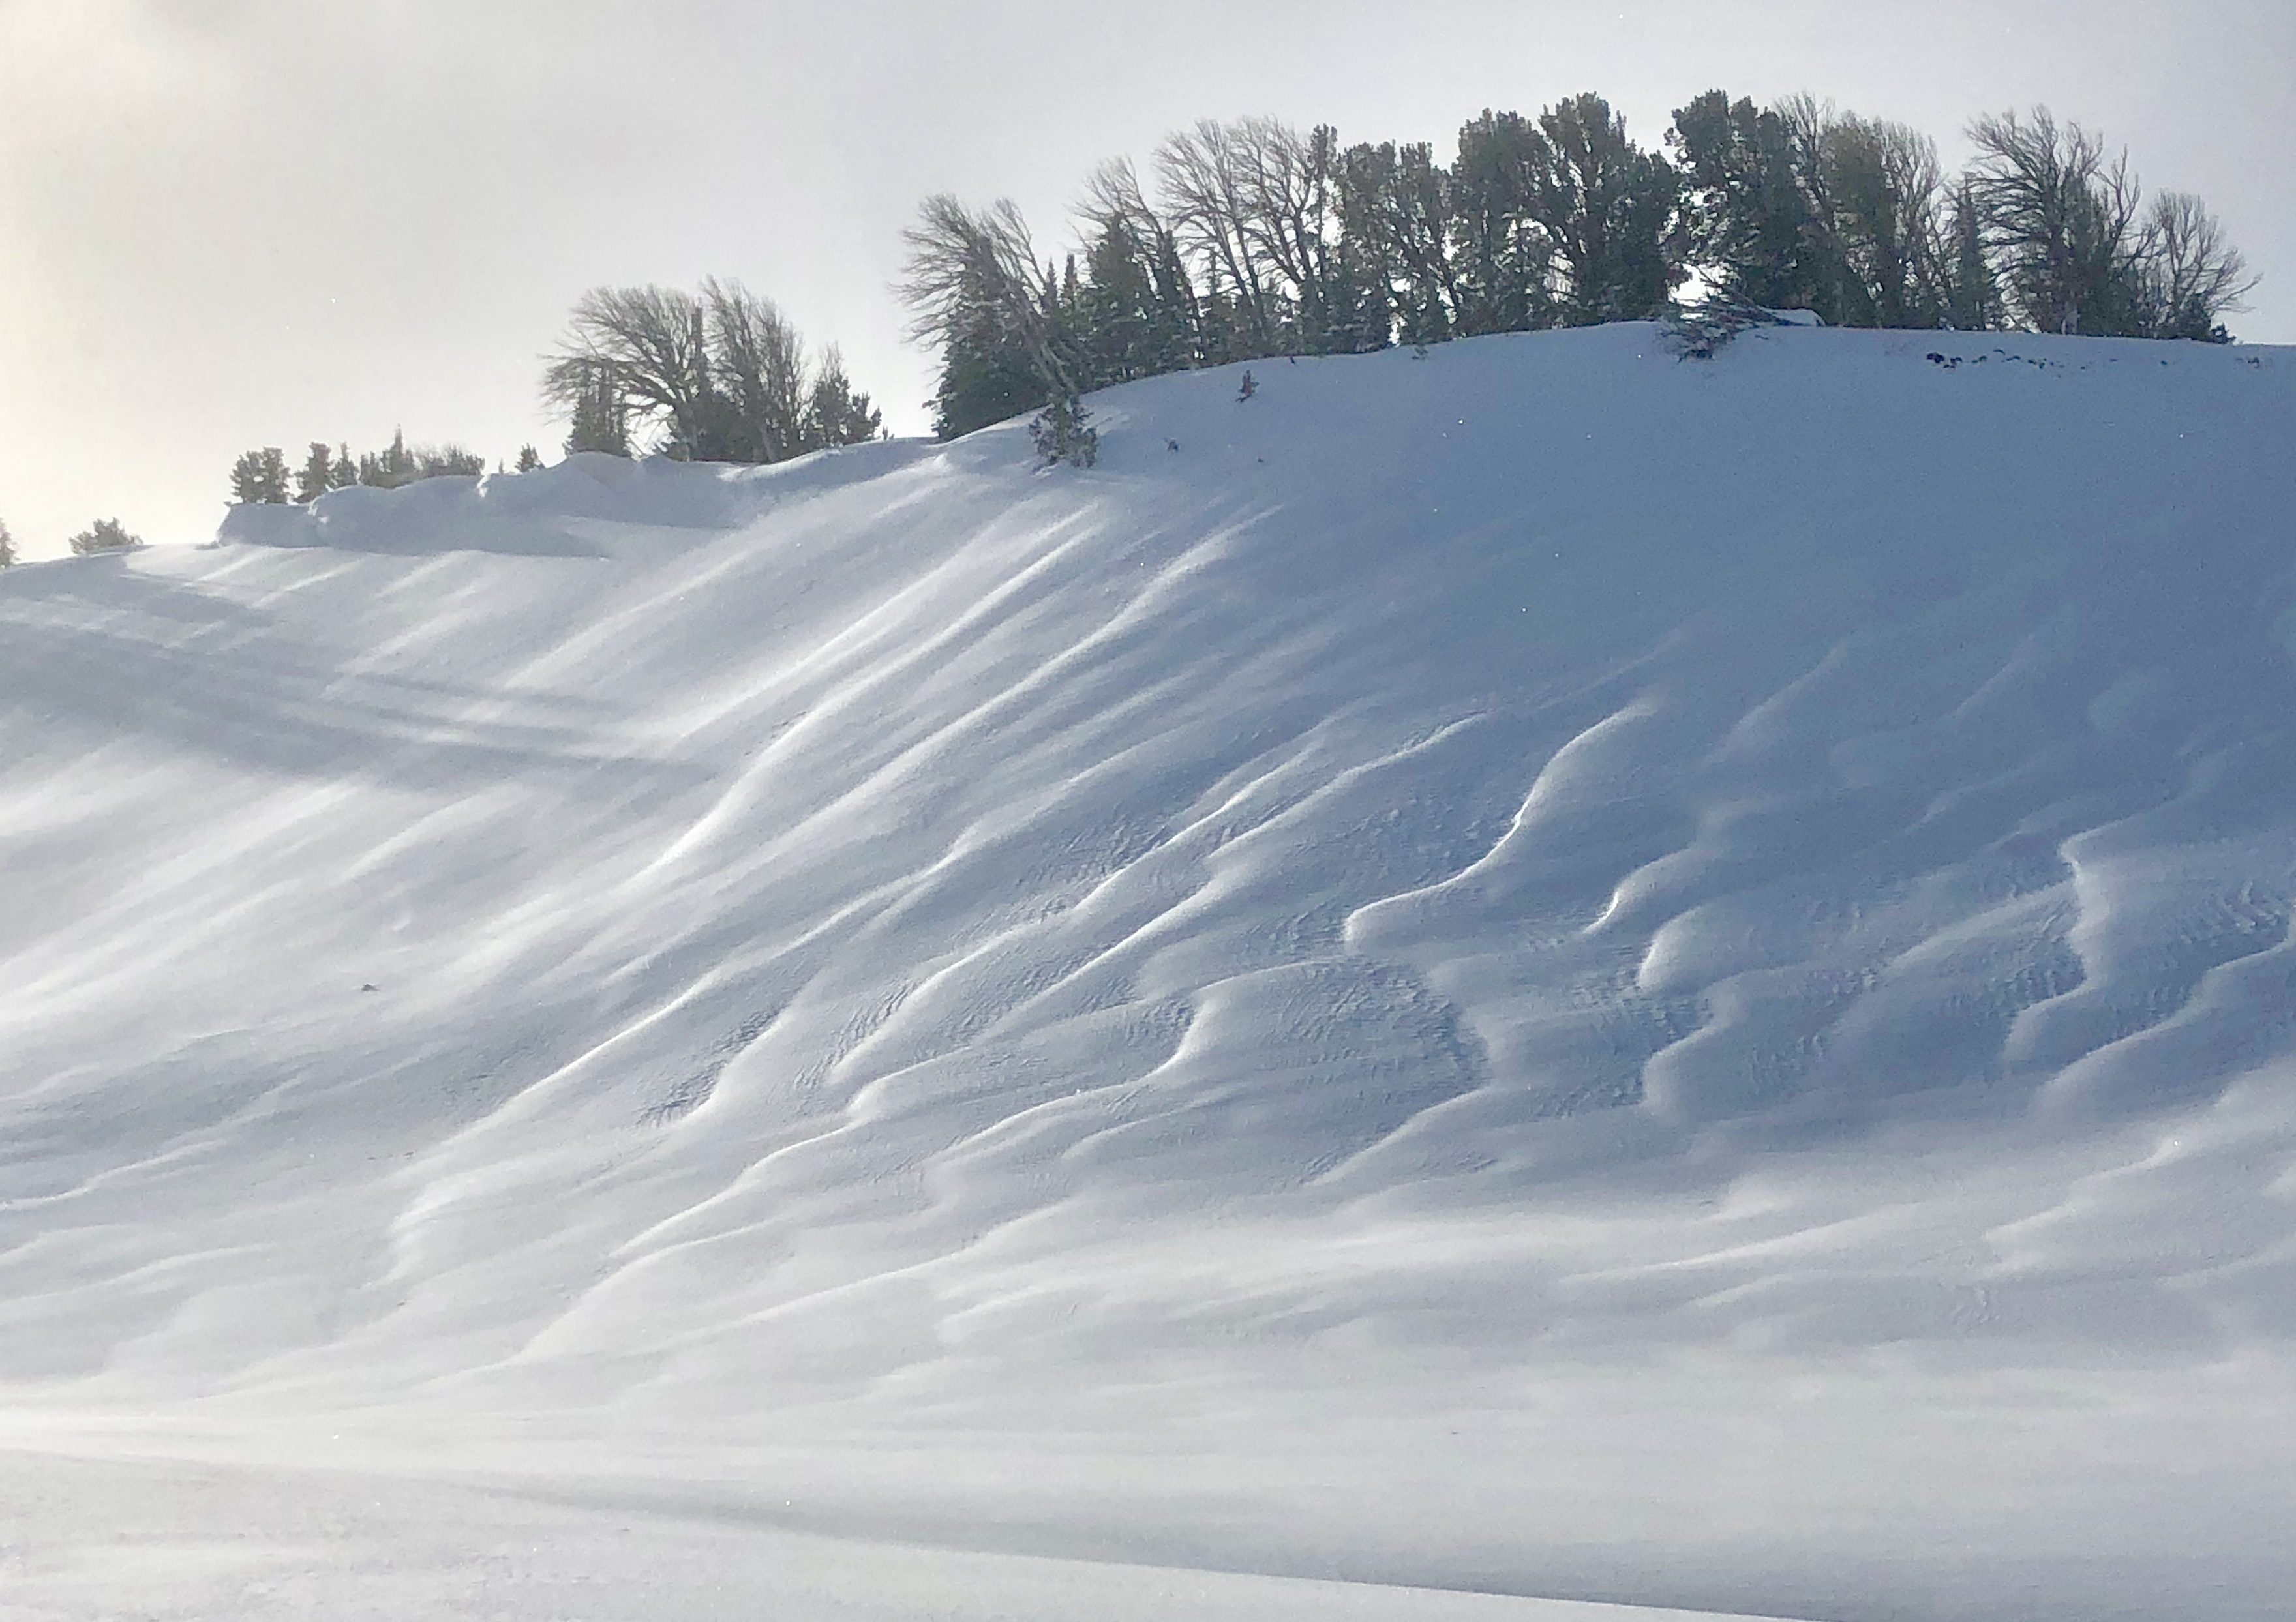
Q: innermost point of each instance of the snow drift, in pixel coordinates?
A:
(1541, 968)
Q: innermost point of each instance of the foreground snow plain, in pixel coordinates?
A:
(1540, 968)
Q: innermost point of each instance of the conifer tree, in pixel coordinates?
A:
(1883, 179)
(1063, 433)
(987, 376)
(1137, 312)
(706, 429)
(1973, 304)
(1115, 308)
(975, 288)
(345, 472)
(7, 547)
(260, 476)
(317, 476)
(1358, 308)
(1175, 334)
(1612, 210)
(391, 468)
(529, 459)
(1370, 259)
(447, 461)
(1223, 332)
(1752, 224)
(835, 414)
(601, 417)
(105, 535)
(1504, 257)
(1391, 274)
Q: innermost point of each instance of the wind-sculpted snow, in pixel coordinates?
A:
(1542, 969)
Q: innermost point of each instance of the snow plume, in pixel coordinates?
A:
(1538, 968)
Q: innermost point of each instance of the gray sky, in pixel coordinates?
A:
(226, 223)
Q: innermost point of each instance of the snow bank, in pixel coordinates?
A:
(567, 511)
(1544, 969)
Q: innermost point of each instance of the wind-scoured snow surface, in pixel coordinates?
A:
(1541, 969)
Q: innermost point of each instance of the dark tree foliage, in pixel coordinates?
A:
(1503, 262)
(975, 289)
(2063, 219)
(1394, 215)
(260, 476)
(1614, 211)
(317, 476)
(600, 418)
(390, 467)
(447, 461)
(985, 378)
(1973, 297)
(1062, 433)
(7, 547)
(715, 375)
(1889, 249)
(105, 535)
(1752, 224)
(835, 413)
(399, 463)
(1136, 316)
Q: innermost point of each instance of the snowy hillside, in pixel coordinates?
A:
(1542, 969)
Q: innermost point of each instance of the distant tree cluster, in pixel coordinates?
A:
(1261, 242)
(1799, 206)
(715, 375)
(105, 535)
(263, 476)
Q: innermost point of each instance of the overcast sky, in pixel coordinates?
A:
(226, 223)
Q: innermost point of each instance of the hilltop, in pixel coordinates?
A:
(1537, 967)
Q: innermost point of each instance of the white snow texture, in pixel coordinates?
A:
(1539, 972)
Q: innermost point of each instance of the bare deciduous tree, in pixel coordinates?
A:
(2193, 276)
(2062, 220)
(720, 375)
(1206, 175)
(650, 342)
(760, 366)
(966, 268)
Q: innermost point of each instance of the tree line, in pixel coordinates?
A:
(1259, 240)
(262, 475)
(105, 535)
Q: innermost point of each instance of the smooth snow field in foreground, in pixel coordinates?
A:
(1543, 973)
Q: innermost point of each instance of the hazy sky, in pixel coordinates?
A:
(233, 223)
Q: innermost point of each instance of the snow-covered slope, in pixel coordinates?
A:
(1539, 968)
